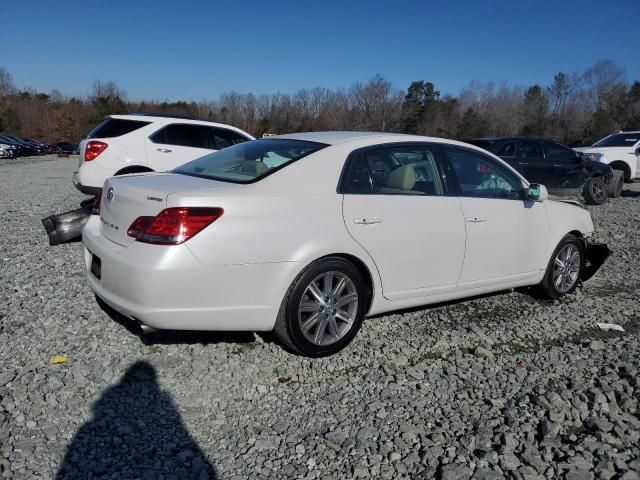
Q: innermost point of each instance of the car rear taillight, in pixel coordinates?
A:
(173, 226)
(93, 149)
(96, 205)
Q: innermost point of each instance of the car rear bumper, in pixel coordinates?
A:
(95, 191)
(166, 287)
(596, 254)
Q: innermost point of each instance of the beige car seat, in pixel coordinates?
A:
(401, 180)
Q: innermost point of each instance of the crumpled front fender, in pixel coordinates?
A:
(595, 255)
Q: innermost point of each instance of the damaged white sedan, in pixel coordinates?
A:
(306, 234)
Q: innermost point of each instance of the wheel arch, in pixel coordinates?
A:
(364, 269)
(133, 169)
(624, 166)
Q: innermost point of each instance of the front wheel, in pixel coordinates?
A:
(595, 191)
(564, 269)
(323, 309)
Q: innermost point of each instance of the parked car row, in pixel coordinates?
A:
(13, 147)
(198, 226)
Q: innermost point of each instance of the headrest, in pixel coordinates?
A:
(254, 168)
(402, 178)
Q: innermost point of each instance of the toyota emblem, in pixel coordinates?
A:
(110, 194)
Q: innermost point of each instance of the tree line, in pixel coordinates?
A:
(574, 108)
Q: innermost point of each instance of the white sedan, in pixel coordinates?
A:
(305, 234)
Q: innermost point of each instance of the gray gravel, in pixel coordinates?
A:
(503, 386)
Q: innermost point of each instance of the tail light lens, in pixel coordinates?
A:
(96, 205)
(173, 226)
(93, 149)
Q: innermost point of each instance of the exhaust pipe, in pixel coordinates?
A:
(65, 227)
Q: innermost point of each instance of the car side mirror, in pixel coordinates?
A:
(537, 193)
(638, 151)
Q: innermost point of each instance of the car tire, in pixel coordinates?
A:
(595, 191)
(616, 184)
(565, 268)
(316, 320)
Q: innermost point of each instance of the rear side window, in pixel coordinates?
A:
(115, 127)
(223, 138)
(185, 135)
(529, 150)
(557, 152)
(397, 170)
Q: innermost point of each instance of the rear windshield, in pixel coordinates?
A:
(249, 161)
(115, 127)
(619, 140)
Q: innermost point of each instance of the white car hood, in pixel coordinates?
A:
(604, 150)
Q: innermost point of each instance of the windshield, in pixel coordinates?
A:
(619, 140)
(249, 161)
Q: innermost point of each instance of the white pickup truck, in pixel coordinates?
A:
(621, 151)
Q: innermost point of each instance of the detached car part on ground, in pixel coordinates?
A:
(305, 234)
(560, 169)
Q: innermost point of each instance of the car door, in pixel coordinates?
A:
(564, 166)
(176, 144)
(506, 235)
(530, 152)
(508, 151)
(396, 205)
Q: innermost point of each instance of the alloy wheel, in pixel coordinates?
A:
(566, 268)
(328, 308)
(597, 190)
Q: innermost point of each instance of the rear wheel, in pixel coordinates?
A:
(323, 309)
(595, 191)
(616, 184)
(564, 268)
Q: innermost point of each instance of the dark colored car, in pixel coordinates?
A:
(22, 149)
(65, 148)
(559, 168)
(45, 147)
(39, 147)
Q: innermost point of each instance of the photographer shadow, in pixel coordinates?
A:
(135, 432)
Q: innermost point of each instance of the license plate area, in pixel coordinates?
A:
(96, 266)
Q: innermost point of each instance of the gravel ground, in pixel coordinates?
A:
(503, 386)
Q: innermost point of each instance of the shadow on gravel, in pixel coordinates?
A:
(528, 296)
(630, 194)
(136, 432)
(185, 337)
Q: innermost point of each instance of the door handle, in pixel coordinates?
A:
(476, 219)
(163, 150)
(367, 220)
(557, 164)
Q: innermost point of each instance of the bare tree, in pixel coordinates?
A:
(600, 79)
(7, 86)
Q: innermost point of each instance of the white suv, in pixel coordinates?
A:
(138, 143)
(621, 151)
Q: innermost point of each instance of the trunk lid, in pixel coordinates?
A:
(128, 197)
